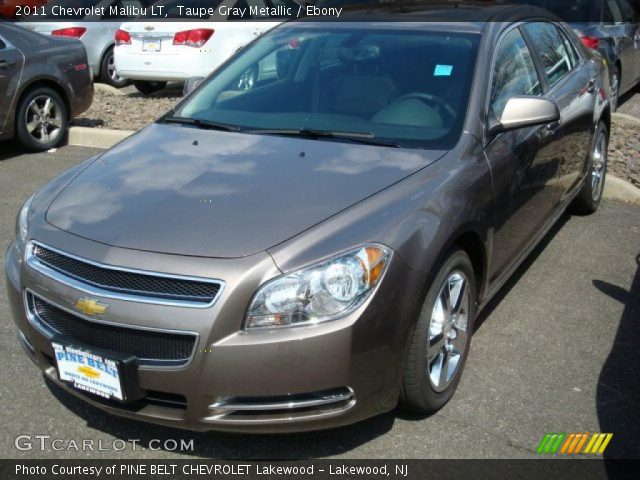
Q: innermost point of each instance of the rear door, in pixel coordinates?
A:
(11, 63)
(571, 84)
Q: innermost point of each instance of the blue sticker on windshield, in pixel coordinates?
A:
(442, 70)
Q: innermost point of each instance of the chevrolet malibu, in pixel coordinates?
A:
(309, 252)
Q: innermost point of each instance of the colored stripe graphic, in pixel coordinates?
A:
(573, 443)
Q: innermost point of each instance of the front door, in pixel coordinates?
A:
(524, 161)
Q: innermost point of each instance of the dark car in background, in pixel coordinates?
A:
(305, 253)
(611, 27)
(44, 83)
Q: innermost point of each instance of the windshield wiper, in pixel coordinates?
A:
(202, 123)
(367, 138)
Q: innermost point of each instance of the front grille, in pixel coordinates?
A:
(126, 282)
(150, 346)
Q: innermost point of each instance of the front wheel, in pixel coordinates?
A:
(589, 197)
(441, 338)
(147, 88)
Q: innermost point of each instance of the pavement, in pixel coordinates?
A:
(556, 351)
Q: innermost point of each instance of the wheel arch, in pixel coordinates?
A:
(43, 83)
(472, 244)
(470, 239)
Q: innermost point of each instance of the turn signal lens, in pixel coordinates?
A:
(319, 293)
(591, 42)
(123, 37)
(193, 38)
(75, 32)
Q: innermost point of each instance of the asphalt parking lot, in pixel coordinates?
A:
(557, 351)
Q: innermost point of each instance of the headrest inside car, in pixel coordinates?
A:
(359, 53)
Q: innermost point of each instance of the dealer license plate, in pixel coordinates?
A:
(151, 45)
(89, 372)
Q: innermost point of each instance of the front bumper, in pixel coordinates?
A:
(293, 379)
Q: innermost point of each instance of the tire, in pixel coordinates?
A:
(147, 88)
(425, 390)
(589, 197)
(108, 72)
(615, 88)
(42, 119)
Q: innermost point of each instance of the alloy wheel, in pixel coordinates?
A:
(448, 330)
(44, 119)
(615, 87)
(599, 166)
(111, 70)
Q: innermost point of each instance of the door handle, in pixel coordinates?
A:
(4, 65)
(591, 86)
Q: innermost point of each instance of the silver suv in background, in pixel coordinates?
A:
(96, 32)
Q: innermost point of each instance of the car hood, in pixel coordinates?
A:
(180, 190)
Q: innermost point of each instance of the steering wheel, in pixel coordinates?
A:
(427, 98)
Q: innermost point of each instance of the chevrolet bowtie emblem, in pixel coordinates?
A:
(91, 307)
(148, 28)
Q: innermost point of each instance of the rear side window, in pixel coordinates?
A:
(514, 72)
(547, 40)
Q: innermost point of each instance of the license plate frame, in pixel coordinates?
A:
(87, 359)
(151, 44)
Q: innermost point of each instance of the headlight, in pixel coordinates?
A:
(318, 293)
(22, 224)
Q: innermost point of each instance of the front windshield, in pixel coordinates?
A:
(406, 85)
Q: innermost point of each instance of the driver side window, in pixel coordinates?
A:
(514, 72)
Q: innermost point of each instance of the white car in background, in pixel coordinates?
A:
(152, 52)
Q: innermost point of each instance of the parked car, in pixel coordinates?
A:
(44, 83)
(611, 27)
(152, 52)
(9, 8)
(96, 31)
(302, 254)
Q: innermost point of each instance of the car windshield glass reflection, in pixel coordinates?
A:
(397, 86)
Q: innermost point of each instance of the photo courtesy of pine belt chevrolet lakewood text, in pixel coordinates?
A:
(311, 251)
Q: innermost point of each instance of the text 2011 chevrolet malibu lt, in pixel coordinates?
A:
(306, 249)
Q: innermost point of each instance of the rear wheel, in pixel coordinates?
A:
(108, 72)
(42, 119)
(147, 88)
(441, 338)
(589, 198)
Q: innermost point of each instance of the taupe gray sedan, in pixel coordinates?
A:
(306, 253)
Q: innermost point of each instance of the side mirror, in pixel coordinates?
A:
(526, 111)
(191, 84)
